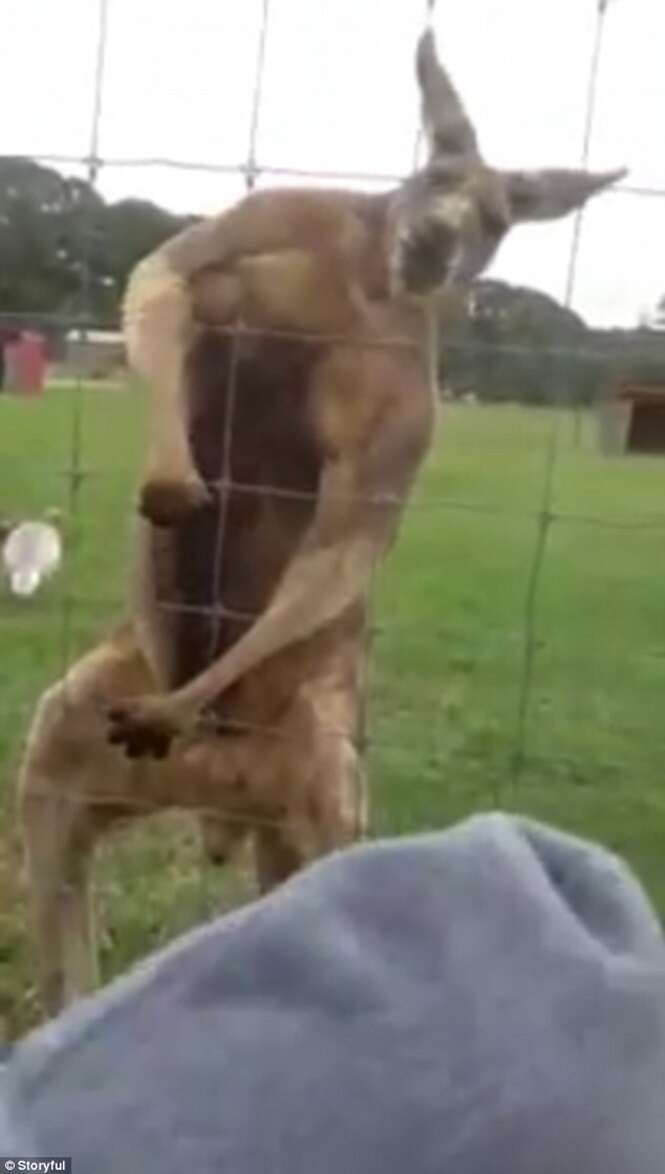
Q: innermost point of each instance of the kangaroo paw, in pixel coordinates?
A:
(165, 502)
(141, 728)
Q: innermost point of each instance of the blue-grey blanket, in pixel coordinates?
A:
(488, 1000)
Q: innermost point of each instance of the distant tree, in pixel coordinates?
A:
(518, 344)
(130, 230)
(62, 248)
(43, 221)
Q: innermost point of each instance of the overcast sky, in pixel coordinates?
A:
(339, 95)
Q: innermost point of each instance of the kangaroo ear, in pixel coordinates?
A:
(447, 126)
(546, 195)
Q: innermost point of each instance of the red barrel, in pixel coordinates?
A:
(26, 364)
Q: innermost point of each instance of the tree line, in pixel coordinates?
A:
(65, 252)
(63, 249)
(519, 344)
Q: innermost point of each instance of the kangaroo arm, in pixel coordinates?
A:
(316, 590)
(266, 222)
(323, 579)
(361, 497)
(157, 311)
(159, 304)
(318, 585)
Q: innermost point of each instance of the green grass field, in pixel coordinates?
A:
(448, 663)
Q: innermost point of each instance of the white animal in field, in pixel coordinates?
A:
(31, 552)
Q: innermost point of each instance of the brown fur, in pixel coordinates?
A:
(278, 761)
(295, 787)
(278, 471)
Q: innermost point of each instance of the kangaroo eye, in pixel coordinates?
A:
(492, 221)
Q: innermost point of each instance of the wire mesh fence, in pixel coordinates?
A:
(513, 734)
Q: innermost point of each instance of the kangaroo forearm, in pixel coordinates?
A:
(159, 307)
(264, 222)
(315, 590)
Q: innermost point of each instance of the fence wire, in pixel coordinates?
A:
(77, 475)
(546, 517)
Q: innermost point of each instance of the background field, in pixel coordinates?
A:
(448, 664)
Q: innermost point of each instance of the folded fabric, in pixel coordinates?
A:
(487, 1000)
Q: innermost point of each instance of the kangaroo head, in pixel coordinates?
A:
(448, 219)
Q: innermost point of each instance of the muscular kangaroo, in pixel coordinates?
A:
(284, 348)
